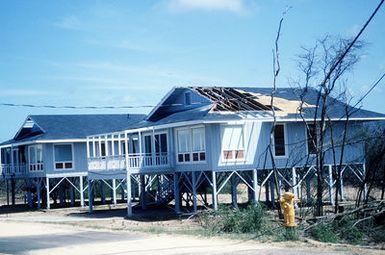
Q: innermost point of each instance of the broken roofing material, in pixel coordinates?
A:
(238, 100)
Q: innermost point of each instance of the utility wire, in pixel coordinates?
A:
(255, 97)
(370, 90)
(75, 107)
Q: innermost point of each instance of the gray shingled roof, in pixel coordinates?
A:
(57, 127)
(208, 111)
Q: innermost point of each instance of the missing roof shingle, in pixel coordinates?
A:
(229, 99)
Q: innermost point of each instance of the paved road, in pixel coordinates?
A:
(38, 238)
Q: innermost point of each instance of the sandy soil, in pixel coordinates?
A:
(59, 231)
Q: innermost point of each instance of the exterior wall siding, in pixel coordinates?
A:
(257, 139)
(79, 160)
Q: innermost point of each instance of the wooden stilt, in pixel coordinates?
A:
(38, 191)
(7, 187)
(330, 184)
(267, 191)
(90, 196)
(255, 186)
(215, 196)
(143, 191)
(62, 194)
(272, 194)
(129, 197)
(102, 193)
(47, 192)
(29, 194)
(72, 193)
(13, 192)
(176, 193)
(81, 191)
(114, 191)
(194, 191)
(122, 192)
(233, 183)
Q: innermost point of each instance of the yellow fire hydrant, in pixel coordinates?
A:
(287, 205)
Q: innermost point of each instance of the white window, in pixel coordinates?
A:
(233, 147)
(191, 144)
(35, 157)
(198, 144)
(63, 156)
(280, 140)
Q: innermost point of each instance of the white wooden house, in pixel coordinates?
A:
(49, 154)
(199, 138)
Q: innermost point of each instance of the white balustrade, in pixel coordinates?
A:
(134, 161)
(18, 169)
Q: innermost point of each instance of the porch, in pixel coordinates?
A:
(8, 170)
(17, 161)
(128, 151)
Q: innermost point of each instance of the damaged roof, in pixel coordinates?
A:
(235, 103)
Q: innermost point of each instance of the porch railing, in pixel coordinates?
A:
(147, 160)
(107, 163)
(134, 161)
(8, 169)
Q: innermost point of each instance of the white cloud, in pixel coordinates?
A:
(70, 22)
(235, 6)
(24, 92)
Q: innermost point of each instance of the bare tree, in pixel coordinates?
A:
(324, 67)
(375, 163)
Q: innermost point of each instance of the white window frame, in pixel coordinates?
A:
(161, 133)
(29, 158)
(223, 159)
(285, 141)
(190, 152)
(73, 158)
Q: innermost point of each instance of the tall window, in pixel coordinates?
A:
(160, 149)
(198, 144)
(103, 151)
(233, 147)
(147, 144)
(160, 144)
(63, 156)
(35, 160)
(191, 144)
(312, 139)
(279, 140)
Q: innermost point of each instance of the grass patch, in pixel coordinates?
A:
(324, 233)
(234, 220)
(288, 234)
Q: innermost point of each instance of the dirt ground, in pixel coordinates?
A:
(106, 231)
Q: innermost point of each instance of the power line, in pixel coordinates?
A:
(75, 107)
(370, 90)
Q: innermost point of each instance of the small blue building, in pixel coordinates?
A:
(49, 154)
(197, 139)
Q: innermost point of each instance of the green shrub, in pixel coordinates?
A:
(324, 233)
(347, 231)
(287, 234)
(234, 220)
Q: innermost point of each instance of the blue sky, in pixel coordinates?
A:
(98, 53)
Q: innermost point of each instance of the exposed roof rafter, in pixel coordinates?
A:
(230, 99)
